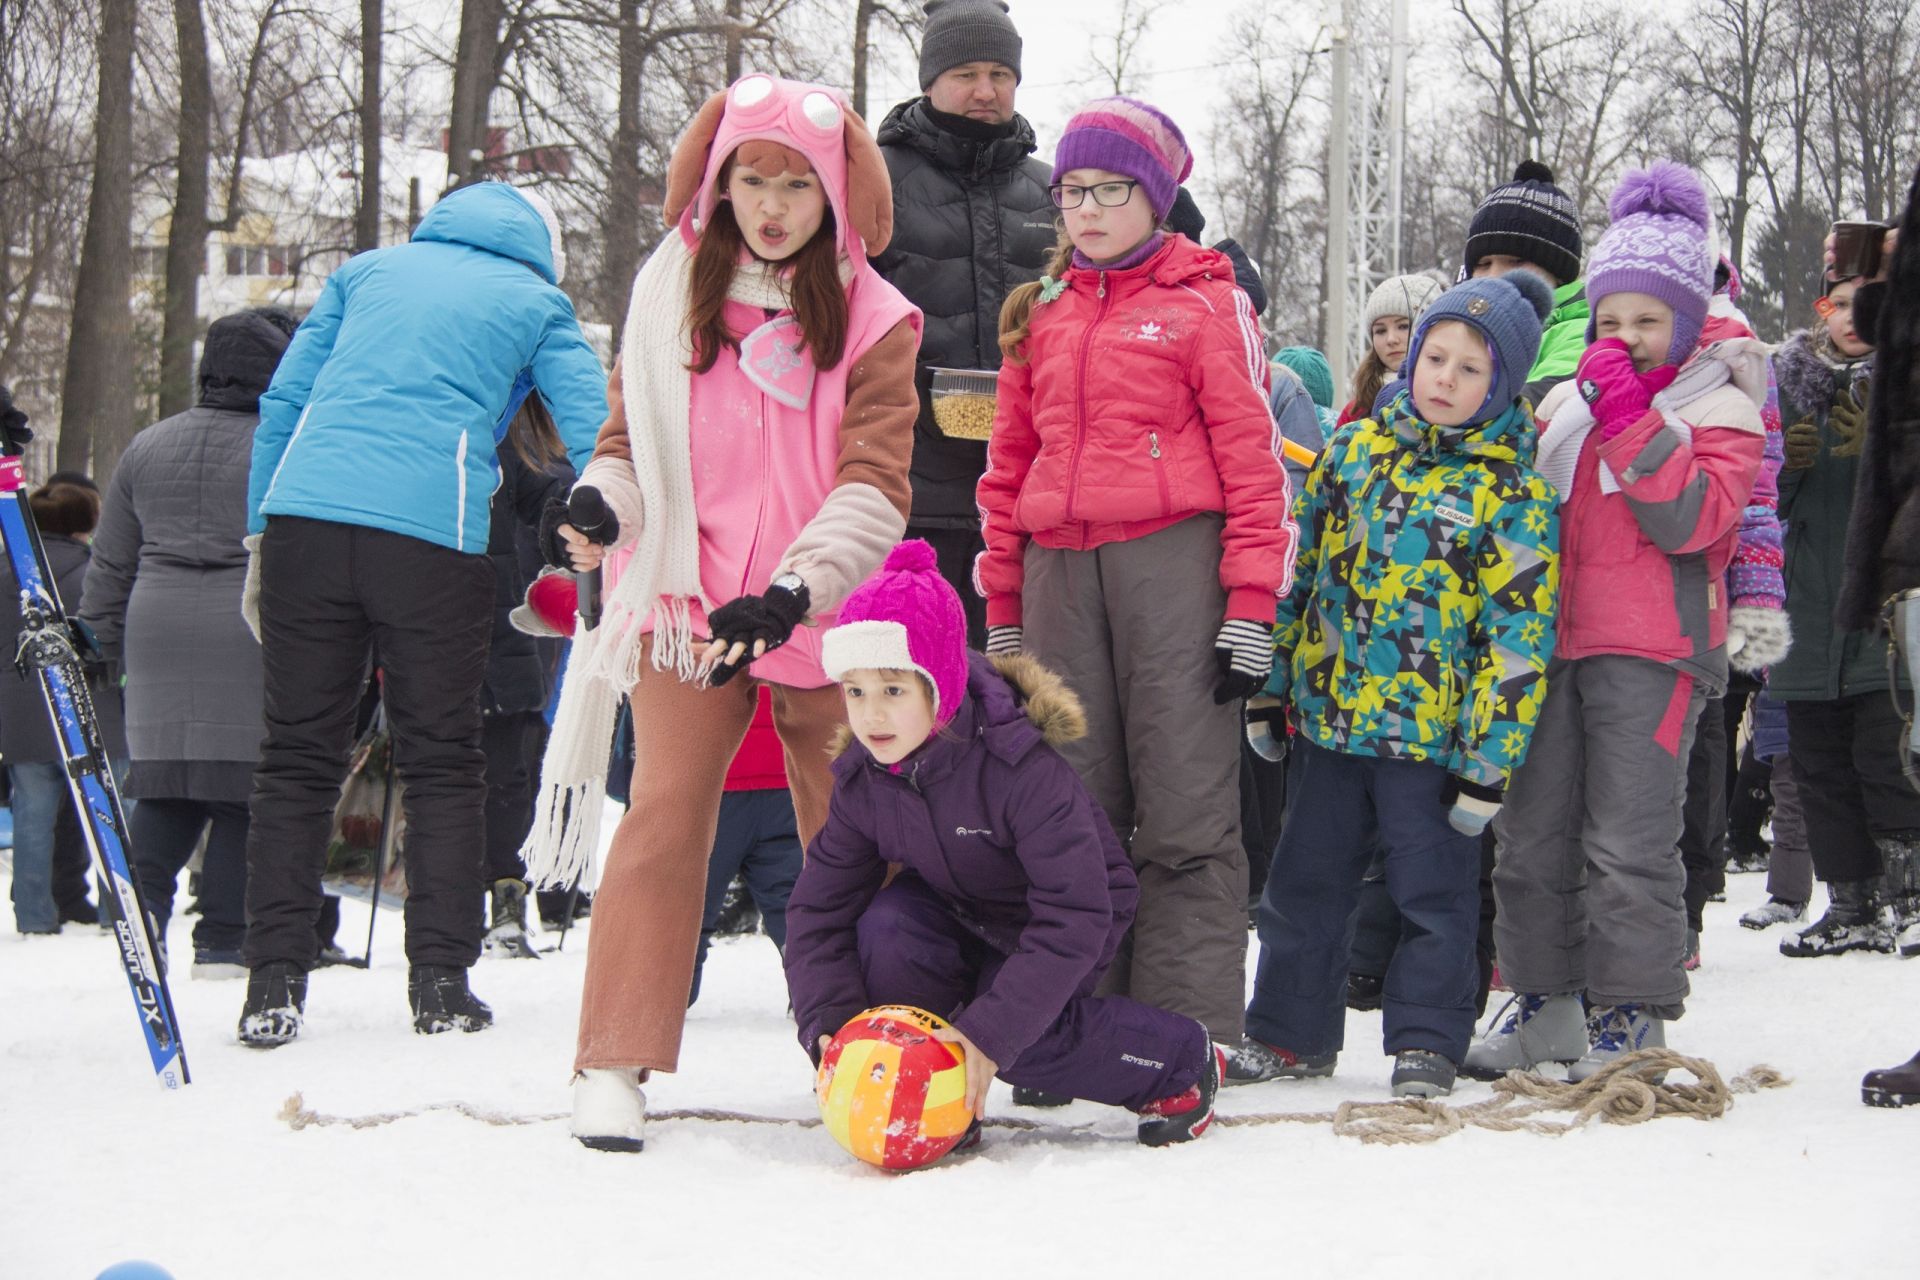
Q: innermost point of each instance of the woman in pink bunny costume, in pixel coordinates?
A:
(754, 471)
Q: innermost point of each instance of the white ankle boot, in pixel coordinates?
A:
(609, 1109)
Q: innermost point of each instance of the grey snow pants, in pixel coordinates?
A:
(1588, 879)
(1131, 626)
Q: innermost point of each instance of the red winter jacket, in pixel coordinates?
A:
(1142, 401)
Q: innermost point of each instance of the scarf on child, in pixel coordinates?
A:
(1741, 361)
(662, 579)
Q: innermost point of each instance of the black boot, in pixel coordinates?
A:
(1364, 992)
(1855, 920)
(507, 927)
(442, 1001)
(738, 913)
(276, 1005)
(1901, 855)
(1023, 1097)
(1895, 1087)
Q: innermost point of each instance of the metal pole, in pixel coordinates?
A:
(1396, 130)
(1339, 168)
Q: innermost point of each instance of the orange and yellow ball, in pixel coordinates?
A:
(890, 1093)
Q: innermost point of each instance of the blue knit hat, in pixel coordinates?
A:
(1507, 311)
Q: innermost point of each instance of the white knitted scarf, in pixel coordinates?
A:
(661, 581)
(1741, 361)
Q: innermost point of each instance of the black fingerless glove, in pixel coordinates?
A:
(752, 619)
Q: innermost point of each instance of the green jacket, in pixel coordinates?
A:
(1815, 502)
(1563, 340)
(1422, 611)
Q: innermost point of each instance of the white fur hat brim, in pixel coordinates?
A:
(875, 645)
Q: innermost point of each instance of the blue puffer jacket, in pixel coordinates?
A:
(382, 412)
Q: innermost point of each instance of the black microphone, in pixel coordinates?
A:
(587, 512)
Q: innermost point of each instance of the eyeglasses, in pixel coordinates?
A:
(1108, 195)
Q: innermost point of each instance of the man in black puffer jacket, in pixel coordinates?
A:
(971, 221)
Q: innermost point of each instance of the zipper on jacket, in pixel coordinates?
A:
(1159, 470)
(760, 513)
(1080, 400)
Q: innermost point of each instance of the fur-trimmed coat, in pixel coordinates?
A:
(1883, 539)
(998, 825)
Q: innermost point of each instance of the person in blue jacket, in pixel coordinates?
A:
(368, 512)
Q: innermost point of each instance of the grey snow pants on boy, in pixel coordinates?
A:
(1588, 880)
(1131, 625)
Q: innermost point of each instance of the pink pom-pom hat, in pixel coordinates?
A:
(904, 618)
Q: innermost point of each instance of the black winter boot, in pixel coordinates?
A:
(507, 927)
(442, 1001)
(1895, 1087)
(1901, 855)
(276, 1005)
(1856, 920)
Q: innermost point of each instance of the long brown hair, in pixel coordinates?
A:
(819, 299)
(1367, 381)
(1017, 311)
(533, 435)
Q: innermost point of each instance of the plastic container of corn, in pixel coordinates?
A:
(963, 402)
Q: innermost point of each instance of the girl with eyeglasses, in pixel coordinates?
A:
(1137, 536)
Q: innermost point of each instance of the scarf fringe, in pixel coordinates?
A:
(564, 842)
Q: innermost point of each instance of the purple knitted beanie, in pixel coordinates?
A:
(1660, 243)
(904, 618)
(1125, 135)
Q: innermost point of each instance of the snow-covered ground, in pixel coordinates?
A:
(98, 1164)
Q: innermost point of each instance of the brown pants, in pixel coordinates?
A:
(646, 912)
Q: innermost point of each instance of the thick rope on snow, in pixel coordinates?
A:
(1627, 1091)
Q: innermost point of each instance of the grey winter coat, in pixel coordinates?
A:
(972, 220)
(26, 735)
(163, 594)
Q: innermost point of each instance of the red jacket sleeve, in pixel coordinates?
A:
(1229, 378)
(1687, 495)
(999, 572)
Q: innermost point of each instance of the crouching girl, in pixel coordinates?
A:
(1012, 895)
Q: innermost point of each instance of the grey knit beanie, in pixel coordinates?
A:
(963, 31)
(1508, 311)
(1400, 296)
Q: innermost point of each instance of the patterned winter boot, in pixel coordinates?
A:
(276, 1005)
(1856, 920)
(1772, 912)
(1615, 1031)
(1541, 1029)
(1254, 1062)
(507, 927)
(442, 1001)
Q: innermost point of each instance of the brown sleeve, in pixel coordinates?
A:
(612, 441)
(876, 432)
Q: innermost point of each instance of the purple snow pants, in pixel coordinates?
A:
(1106, 1049)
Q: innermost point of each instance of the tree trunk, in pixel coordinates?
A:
(96, 413)
(862, 51)
(621, 222)
(366, 219)
(736, 14)
(187, 234)
(474, 77)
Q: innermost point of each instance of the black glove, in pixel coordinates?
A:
(1244, 652)
(605, 530)
(13, 423)
(751, 620)
(1266, 721)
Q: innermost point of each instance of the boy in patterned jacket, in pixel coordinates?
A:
(1412, 652)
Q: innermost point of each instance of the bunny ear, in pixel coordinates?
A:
(688, 168)
(869, 187)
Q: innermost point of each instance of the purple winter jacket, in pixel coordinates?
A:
(1000, 827)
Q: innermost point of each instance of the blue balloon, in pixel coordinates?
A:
(135, 1270)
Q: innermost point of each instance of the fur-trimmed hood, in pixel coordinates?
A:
(1002, 691)
(1807, 381)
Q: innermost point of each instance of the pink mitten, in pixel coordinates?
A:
(1618, 396)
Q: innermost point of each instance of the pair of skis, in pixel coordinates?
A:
(50, 648)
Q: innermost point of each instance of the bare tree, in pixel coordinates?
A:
(366, 220)
(96, 409)
(903, 18)
(187, 230)
(1119, 58)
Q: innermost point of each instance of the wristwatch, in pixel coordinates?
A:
(789, 582)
